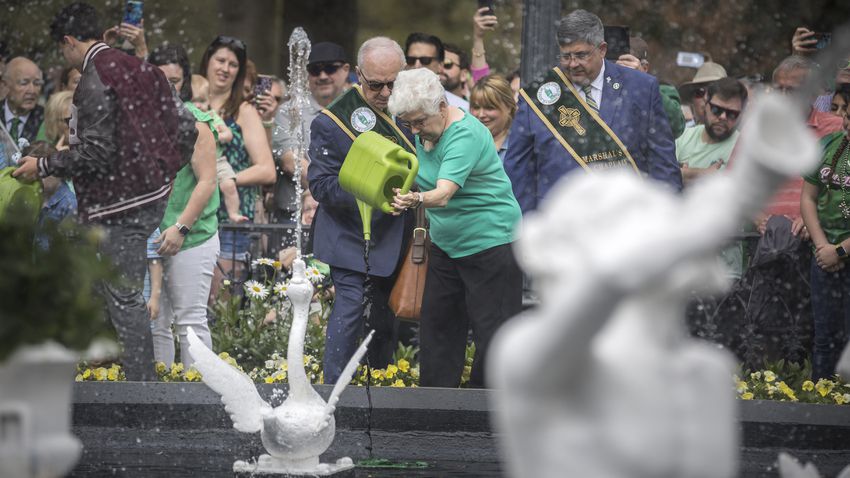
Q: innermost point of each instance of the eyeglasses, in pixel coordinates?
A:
(579, 56)
(731, 115)
(448, 64)
(226, 40)
(424, 60)
(376, 85)
(316, 69)
(418, 124)
(700, 92)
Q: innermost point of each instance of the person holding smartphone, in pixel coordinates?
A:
(131, 30)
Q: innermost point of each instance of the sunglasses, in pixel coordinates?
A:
(731, 115)
(226, 40)
(316, 69)
(376, 85)
(448, 64)
(424, 60)
(700, 92)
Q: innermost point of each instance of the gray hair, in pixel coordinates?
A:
(580, 25)
(416, 90)
(376, 43)
(792, 63)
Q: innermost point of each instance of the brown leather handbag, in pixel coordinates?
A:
(406, 296)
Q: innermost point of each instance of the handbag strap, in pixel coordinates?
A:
(418, 246)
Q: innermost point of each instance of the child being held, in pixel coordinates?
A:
(223, 135)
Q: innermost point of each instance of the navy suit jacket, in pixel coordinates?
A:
(338, 230)
(535, 160)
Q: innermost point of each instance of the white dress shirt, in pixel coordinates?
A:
(596, 87)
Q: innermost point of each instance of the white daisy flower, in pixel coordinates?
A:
(314, 275)
(280, 289)
(256, 290)
(263, 261)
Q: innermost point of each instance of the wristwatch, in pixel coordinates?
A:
(842, 254)
(182, 229)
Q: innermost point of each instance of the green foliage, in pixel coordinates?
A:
(48, 294)
(254, 328)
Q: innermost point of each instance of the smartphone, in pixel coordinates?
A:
(617, 38)
(823, 38)
(486, 4)
(263, 85)
(690, 59)
(133, 12)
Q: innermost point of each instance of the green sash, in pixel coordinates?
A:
(579, 129)
(354, 116)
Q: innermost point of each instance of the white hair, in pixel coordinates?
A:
(416, 90)
(376, 43)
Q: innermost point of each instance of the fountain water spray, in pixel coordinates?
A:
(302, 427)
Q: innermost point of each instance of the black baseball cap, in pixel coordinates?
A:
(326, 52)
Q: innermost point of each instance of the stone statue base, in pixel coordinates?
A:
(269, 466)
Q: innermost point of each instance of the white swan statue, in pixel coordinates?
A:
(300, 429)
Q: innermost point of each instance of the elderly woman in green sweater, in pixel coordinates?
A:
(473, 279)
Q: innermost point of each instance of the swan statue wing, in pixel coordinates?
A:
(238, 392)
(789, 467)
(347, 373)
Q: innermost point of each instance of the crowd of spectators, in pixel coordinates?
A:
(131, 140)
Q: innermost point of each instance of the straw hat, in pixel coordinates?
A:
(708, 72)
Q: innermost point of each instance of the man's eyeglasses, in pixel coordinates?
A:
(226, 40)
(579, 56)
(424, 60)
(448, 64)
(376, 85)
(731, 115)
(316, 69)
(418, 123)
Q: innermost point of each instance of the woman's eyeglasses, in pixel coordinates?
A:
(424, 60)
(316, 69)
(226, 40)
(700, 92)
(417, 123)
(731, 115)
(376, 85)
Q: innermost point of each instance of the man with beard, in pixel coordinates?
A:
(455, 71)
(587, 114)
(706, 148)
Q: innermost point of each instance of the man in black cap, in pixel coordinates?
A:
(327, 70)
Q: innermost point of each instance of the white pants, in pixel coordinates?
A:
(186, 280)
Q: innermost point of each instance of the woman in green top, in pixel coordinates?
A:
(825, 207)
(189, 241)
(473, 278)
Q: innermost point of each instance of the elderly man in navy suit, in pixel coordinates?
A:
(22, 115)
(338, 230)
(587, 114)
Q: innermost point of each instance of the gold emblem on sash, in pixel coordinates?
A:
(569, 118)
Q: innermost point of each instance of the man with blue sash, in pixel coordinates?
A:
(338, 229)
(587, 114)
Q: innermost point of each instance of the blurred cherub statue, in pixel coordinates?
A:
(603, 379)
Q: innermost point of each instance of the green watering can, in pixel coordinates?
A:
(12, 190)
(373, 167)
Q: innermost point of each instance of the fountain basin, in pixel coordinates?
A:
(181, 429)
